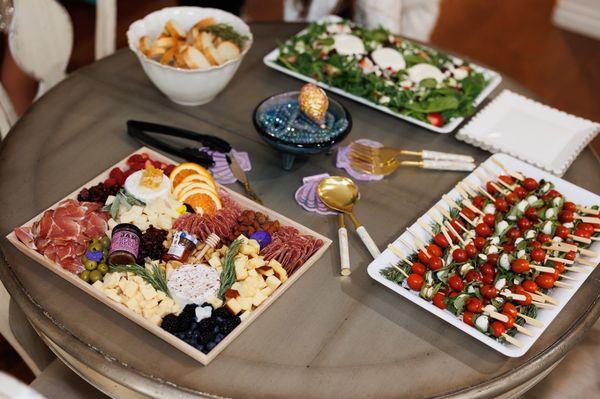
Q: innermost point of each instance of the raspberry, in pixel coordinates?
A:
(110, 182)
(116, 173)
(135, 158)
(168, 169)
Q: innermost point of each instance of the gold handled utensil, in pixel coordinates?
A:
(386, 169)
(340, 194)
(381, 155)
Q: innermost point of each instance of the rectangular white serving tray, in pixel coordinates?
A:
(562, 295)
(494, 80)
(138, 319)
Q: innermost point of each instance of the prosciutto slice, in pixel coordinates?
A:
(290, 248)
(61, 234)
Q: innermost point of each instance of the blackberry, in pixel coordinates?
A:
(152, 243)
(170, 323)
(207, 324)
(230, 324)
(204, 337)
(98, 193)
(186, 318)
(221, 312)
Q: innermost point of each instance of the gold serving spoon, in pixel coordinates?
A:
(341, 193)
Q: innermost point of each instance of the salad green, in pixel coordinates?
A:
(313, 53)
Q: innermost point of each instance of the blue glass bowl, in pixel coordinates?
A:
(282, 125)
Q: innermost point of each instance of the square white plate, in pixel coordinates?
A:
(562, 295)
(530, 131)
(493, 78)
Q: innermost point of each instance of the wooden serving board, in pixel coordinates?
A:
(138, 319)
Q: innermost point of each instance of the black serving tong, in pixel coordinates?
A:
(146, 132)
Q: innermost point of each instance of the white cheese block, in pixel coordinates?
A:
(146, 194)
(348, 44)
(387, 57)
(418, 72)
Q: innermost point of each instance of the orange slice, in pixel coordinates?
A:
(183, 188)
(202, 200)
(185, 169)
(198, 177)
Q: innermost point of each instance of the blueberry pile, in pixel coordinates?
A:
(203, 335)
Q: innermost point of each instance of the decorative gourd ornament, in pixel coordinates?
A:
(313, 103)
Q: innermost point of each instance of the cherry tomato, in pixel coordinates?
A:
(569, 206)
(520, 265)
(543, 238)
(527, 300)
(419, 268)
(468, 318)
(511, 321)
(475, 305)
(531, 214)
(498, 328)
(534, 244)
(566, 216)
(488, 279)
(473, 275)
(587, 227)
(490, 188)
(483, 230)
(486, 268)
(510, 309)
(545, 280)
(524, 223)
(489, 291)
(530, 183)
(562, 231)
(423, 257)
(434, 250)
(507, 179)
(571, 255)
(471, 250)
(529, 285)
(508, 247)
(436, 263)
(478, 201)
(457, 223)
(440, 239)
(552, 194)
(493, 259)
(415, 281)
(513, 233)
(538, 255)
(501, 204)
(520, 192)
(438, 300)
(512, 198)
(582, 233)
(456, 283)
(460, 255)
(453, 294)
(468, 213)
(489, 219)
(479, 243)
(559, 266)
(436, 119)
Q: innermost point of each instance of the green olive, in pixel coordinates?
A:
(96, 245)
(95, 275)
(103, 268)
(105, 241)
(89, 264)
(85, 276)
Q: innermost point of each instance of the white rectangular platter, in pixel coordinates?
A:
(156, 330)
(562, 295)
(494, 79)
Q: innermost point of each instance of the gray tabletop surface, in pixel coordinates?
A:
(326, 337)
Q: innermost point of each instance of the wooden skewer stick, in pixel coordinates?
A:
(597, 230)
(485, 178)
(567, 277)
(398, 252)
(400, 270)
(544, 269)
(571, 247)
(418, 241)
(443, 228)
(491, 173)
(511, 295)
(480, 189)
(408, 245)
(580, 239)
(538, 298)
(595, 238)
(514, 174)
(575, 269)
(586, 262)
(542, 305)
(531, 320)
(426, 227)
(512, 340)
(560, 260)
(589, 211)
(562, 285)
(447, 215)
(548, 298)
(523, 330)
(587, 219)
(495, 315)
(467, 201)
(470, 192)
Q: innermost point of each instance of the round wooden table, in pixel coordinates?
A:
(327, 336)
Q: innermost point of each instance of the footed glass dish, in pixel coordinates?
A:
(282, 125)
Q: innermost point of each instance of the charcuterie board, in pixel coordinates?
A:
(453, 288)
(267, 275)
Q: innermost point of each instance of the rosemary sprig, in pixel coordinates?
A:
(122, 197)
(226, 32)
(228, 272)
(155, 275)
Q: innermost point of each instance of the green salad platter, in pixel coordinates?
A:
(390, 73)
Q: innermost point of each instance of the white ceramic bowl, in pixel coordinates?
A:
(186, 86)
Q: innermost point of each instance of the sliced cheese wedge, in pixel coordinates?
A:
(348, 44)
(386, 57)
(418, 72)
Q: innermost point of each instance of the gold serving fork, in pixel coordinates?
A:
(392, 165)
(385, 155)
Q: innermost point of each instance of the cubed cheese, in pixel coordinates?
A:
(112, 294)
(247, 289)
(267, 291)
(266, 271)
(130, 289)
(258, 298)
(248, 250)
(98, 285)
(215, 302)
(148, 292)
(233, 306)
(240, 271)
(215, 261)
(273, 282)
(245, 303)
(255, 263)
(252, 273)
